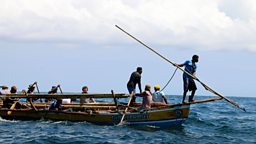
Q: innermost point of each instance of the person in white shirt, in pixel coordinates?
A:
(86, 100)
(158, 96)
(4, 90)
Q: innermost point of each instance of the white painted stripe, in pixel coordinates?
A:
(156, 122)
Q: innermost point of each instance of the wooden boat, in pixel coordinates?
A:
(167, 115)
(98, 113)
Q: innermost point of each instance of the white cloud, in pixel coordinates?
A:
(202, 24)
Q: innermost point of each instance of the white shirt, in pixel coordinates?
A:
(158, 96)
(5, 92)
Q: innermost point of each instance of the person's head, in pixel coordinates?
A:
(139, 70)
(13, 89)
(23, 91)
(147, 87)
(157, 87)
(85, 89)
(54, 89)
(195, 58)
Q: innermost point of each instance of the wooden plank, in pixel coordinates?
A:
(204, 101)
(194, 102)
(56, 96)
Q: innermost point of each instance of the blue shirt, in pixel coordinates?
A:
(190, 67)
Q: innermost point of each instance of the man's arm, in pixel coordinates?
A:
(194, 74)
(180, 65)
(140, 86)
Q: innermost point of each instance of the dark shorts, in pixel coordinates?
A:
(131, 89)
(189, 84)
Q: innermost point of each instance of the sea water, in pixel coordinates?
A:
(213, 122)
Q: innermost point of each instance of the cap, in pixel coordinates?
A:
(157, 87)
(4, 86)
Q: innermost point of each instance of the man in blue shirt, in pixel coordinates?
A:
(189, 83)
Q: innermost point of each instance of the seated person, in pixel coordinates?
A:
(13, 90)
(8, 102)
(5, 90)
(30, 90)
(146, 97)
(55, 104)
(53, 90)
(86, 100)
(158, 96)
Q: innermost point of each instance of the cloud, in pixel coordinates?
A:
(200, 24)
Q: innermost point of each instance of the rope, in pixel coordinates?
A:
(170, 79)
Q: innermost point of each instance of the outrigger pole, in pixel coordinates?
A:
(174, 64)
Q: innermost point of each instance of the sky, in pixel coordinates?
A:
(75, 43)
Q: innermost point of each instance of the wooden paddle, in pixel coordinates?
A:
(176, 65)
(32, 105)
(60, 89)
(128, 104)
(30, 99)
(12, 108)
(37, 87)
(35, 83)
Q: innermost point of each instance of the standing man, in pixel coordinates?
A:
(135, 79)
(189, 83)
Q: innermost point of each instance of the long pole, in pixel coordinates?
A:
(37, 90)
(60, 89)
(174, 64)
(128, 104)
(37, 87)
(30, 99)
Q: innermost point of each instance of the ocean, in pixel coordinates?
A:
(213, 122)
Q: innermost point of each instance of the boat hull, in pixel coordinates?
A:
(168, 116)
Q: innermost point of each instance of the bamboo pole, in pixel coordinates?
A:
(129, 102)
(12, 108)
(176, 65)
(205, 101)
(37, 87)
(60, 89)
(32, 105)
